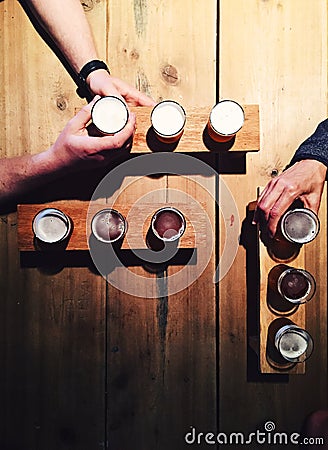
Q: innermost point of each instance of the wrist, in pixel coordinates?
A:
(47, 162)
(96, 75)
(317, 167)
(85, 75)
(53, 161)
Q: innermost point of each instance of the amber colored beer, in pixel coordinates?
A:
(226, 119)
(168, 119)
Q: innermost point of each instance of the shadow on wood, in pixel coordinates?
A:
(81, 185)
(249, 240)
(52, 262)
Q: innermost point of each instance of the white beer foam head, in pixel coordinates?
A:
(227, 117)
(168, 118)
(300, 225)
(109, 114)
(51, 225)
(292, 345)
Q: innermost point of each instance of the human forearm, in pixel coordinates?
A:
(75, 149)
(20, 174)
(66, 23)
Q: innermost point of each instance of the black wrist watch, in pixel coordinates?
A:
(83, 90)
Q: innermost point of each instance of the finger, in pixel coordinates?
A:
(144, 100)
(266, 202)
(257, 211)
(269, 197)
(278, 209)
(311, 202)
(111, 90)
(260, 205)
(118, 140)
(83, 117)
(115, 93)
(127, 132)
(134, 97)
(266, 191)
(131, 94)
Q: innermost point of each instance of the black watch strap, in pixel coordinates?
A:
(83, 89)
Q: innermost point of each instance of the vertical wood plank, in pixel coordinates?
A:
(133, 352)
(273, 53)
(53, 333)
(151, 45)
(162, 358)
(37, 100)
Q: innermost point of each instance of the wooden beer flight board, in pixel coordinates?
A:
(195, 137)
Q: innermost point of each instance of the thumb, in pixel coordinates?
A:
(83, 117)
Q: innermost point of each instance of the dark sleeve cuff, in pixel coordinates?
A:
(315, 147)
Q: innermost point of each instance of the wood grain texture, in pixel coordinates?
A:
(87, 364)
(37, 104)
(81, 214)
(191, 343)
(53, 334)
(147, 45)
(279, 49)
(162, 350)
(192, 139)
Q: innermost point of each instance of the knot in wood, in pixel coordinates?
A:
(134, 54)
(87, 5)
(170, 74)
(61, 103)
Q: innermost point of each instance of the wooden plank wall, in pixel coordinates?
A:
(87, 366)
